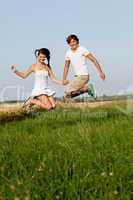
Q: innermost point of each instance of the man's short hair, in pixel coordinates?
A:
(70, 37)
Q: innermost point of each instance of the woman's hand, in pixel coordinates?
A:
(14, 68)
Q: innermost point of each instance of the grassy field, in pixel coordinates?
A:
(69, 154)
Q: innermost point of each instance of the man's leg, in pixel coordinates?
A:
(77, 86)
(87, 88)
(78, 92)
(82, 90)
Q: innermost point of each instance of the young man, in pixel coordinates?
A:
(77, 56)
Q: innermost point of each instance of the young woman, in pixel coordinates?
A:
(41, 95)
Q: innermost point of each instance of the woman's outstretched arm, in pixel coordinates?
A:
(22, 74)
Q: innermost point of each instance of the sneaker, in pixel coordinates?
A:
(92, 91)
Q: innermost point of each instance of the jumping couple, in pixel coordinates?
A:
(77, 55)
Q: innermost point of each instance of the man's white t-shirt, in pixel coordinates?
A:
(78, 60)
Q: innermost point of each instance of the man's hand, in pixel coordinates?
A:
(65, 82)
(102, 76)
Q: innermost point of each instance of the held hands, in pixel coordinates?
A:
(61, 82)
(65, 82)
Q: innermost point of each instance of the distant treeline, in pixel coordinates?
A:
(84, 99)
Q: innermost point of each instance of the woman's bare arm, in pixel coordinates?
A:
(53, 77)
(23, 74)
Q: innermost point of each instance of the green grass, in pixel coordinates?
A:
(68, 154)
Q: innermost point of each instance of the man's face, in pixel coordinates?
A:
(73, 44)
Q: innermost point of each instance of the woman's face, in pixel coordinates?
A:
(41, 58)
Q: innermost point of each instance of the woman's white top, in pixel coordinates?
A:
(41, 84)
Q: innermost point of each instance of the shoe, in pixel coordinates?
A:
(91, 91)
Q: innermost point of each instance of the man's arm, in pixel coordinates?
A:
(97, 65)
(66, 69)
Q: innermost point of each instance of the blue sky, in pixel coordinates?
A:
(104, 27)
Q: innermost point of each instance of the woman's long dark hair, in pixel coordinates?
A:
(45, 52)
